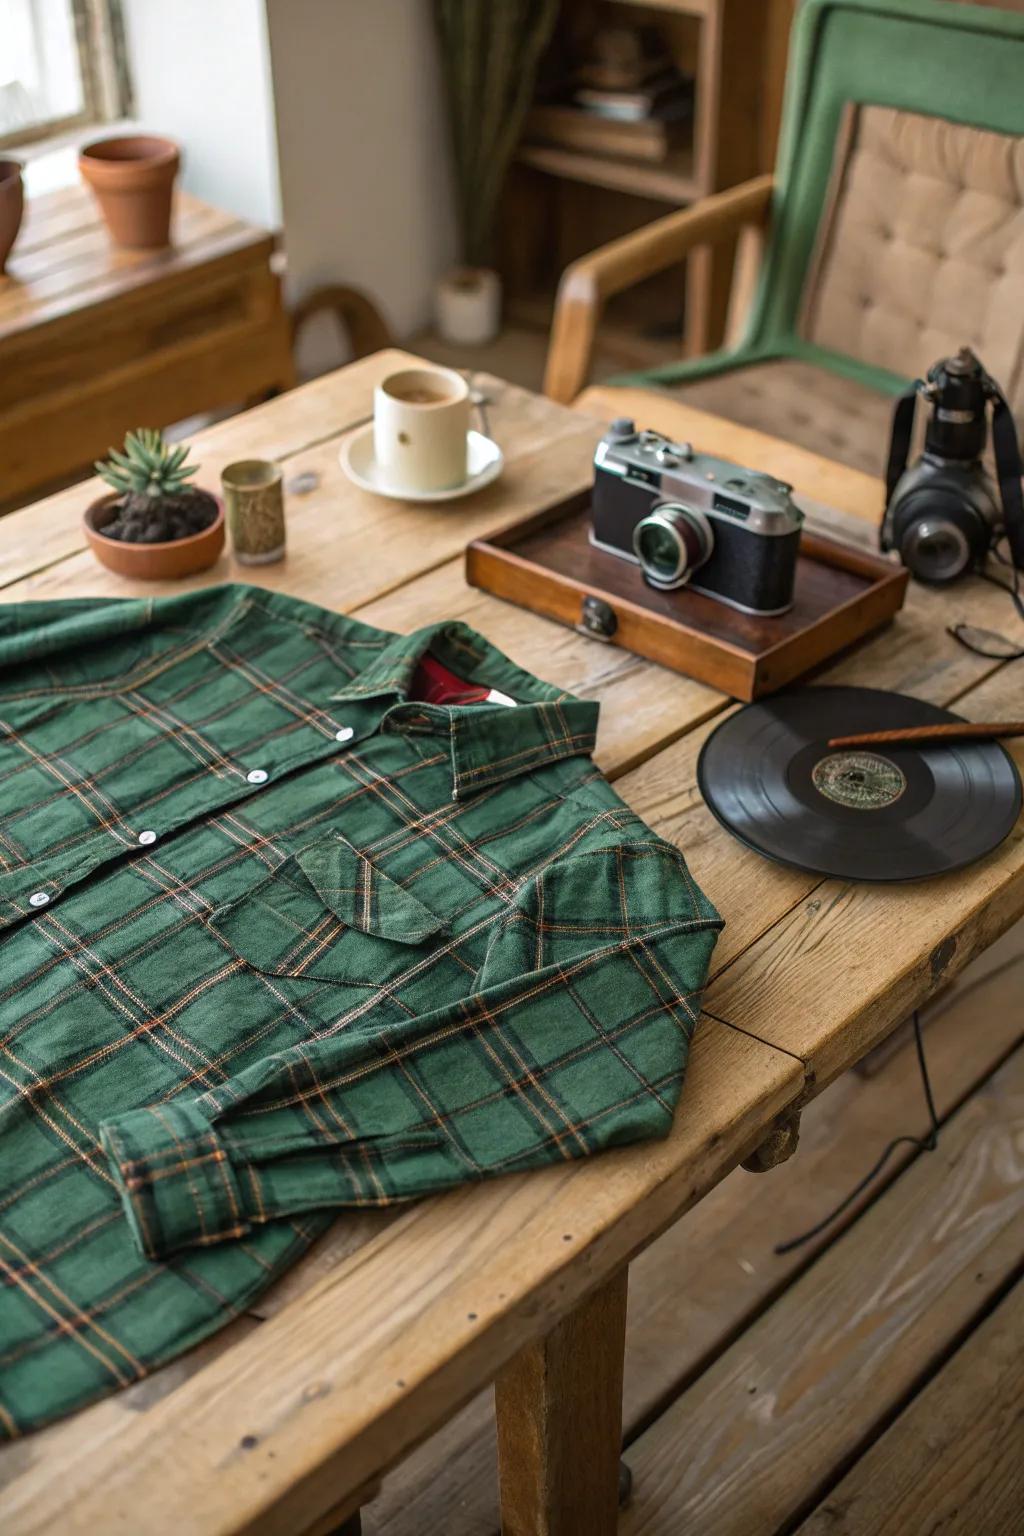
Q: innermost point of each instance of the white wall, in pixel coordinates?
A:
(201, 73)
(363, 150)
(324, 117)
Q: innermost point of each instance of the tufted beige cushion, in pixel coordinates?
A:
(804, 405)
(922, 249)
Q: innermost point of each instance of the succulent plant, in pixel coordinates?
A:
(155, 501)
(147, 469)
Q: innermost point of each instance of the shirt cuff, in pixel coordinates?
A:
(174, 1177)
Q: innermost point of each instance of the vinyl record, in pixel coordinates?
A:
(892, 813)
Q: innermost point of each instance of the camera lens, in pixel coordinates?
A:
(935, 549)
(670, 543)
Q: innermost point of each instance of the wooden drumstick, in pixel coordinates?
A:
(914, 735)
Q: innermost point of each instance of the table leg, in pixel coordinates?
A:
(353, 1526)
(559, 1406)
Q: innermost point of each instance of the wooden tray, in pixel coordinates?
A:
(546, 563)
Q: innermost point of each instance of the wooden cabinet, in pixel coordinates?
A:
(95, 340)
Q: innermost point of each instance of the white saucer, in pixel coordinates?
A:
(485, 461)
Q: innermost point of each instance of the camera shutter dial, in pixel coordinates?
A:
(671, 542)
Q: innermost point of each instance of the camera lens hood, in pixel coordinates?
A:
(671, 542)
(938, 527)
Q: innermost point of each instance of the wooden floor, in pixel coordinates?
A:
(871, 1383)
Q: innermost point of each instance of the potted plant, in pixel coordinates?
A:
(490, 55)
(132, 177)
(154, 525)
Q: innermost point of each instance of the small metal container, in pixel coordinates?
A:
(254, 501)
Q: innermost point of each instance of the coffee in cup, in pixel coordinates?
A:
(420, 427)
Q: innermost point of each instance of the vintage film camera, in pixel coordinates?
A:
(691, 520)
(943, 516)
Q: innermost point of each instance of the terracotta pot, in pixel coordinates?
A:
(152, 562)
(133, 179)
(12, 205)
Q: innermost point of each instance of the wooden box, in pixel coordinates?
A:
(546, 563)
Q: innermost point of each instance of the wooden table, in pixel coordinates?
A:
(285, 1422)
(95, 340)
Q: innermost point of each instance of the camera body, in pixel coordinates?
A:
(688, 519)
(943, 514)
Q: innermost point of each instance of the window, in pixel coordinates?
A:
(61, 65)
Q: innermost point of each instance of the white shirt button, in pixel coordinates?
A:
(147, 837)
(257, 775)
(345, 734)
(38, 899)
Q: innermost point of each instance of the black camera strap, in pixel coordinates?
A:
(899, 444)
(1008, 469)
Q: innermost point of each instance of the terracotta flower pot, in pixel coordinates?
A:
(152, 562)
(12, 205)
(133, 179)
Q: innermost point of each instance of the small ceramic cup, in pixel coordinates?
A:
(420, 427)
(255, 510)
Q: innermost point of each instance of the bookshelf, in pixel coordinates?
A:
(735, 51)
(672, 180)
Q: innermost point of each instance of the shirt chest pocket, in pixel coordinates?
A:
(330, 914)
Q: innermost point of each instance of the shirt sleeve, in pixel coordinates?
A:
(573, 1038)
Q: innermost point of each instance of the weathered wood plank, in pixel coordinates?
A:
(800, 1392)
(82, 256)
(345, 546)
(36, 1455)
(954, 1460)
(915, 656)
(329, 1444)
(833, 975)
(387, 1346)
(693, 1291)
(49, 530)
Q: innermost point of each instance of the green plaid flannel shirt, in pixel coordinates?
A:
(277, 938)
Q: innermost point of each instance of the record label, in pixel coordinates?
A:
(864, 780)
(768, 775)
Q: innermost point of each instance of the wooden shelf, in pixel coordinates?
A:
(672, 181)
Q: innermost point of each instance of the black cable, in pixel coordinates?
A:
(926, 1143)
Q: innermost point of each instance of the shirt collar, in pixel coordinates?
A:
(489, 742)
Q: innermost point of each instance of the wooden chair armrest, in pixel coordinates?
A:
(587, 283)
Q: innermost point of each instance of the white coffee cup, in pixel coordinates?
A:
(420, 426)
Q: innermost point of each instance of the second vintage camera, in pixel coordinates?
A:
(688, 519)
(943, 514)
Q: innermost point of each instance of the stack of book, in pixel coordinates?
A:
(626, 99)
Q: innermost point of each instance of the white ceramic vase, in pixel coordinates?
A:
(467, 306)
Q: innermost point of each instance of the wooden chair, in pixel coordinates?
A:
(891, 233)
